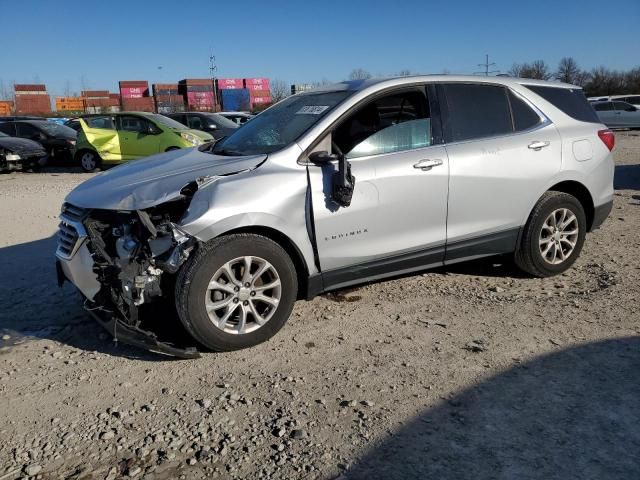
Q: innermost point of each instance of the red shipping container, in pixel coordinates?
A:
(229, 83)
(133, 92)
(259, 93)
(30, 87)
(256, 83)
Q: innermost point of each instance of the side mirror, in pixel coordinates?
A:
(342, 182)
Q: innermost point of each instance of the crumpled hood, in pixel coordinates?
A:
(145, 183)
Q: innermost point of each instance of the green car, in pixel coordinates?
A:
(119, 137)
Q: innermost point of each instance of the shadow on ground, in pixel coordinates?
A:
(574, 414)
(627, 177)
(33, 306)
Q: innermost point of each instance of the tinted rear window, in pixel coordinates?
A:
(570, 101)
(476, 111)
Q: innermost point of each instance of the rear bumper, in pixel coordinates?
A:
(600, 214)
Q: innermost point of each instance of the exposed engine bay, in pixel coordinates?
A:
(136, 254)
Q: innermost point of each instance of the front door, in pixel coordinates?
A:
(397, 217)
(135, 139)
(100, 132)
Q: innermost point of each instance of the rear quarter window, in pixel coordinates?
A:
(571, 101)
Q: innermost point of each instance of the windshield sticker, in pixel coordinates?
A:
(312, 110)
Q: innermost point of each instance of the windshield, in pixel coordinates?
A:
(221, 121)
(281, 124)
(56, 130)
(167, 122)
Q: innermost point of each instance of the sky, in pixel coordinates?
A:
(69, 44)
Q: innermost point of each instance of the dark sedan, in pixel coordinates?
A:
(58, 141)
(212, 123)
(18, 153)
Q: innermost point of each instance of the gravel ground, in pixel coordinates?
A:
(470, 371)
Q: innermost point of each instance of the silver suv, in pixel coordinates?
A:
(346, 184)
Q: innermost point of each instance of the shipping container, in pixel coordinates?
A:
(134, 89)
(6, 108)
(301, 87)
(165, 89)
(196, 81)
(235, 100)
(28, 104)
(259, 93)
(229, 83)
(260, 100)
(143, 104)
(29, 87)
(70, 104)
(256, 83)
(169, 103)
(95, 93)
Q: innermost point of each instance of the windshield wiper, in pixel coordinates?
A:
(228, 153)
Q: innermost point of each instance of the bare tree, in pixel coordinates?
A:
(279, 90)
(537, 69)
(404, 73)
(4, 91)
(67, 88)
(568, 70)
(603, 81)
(359, 74)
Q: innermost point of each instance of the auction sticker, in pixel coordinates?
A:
(312, 109)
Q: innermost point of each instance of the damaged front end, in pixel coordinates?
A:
(134, 258)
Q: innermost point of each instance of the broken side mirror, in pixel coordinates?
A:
(342, 182)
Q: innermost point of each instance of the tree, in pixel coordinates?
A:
(404, 73)
(537, 70)
(67, 88)
(603, 81)
(359, 74)
(279, 90)
(568, 71)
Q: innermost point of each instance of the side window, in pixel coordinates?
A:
(393, 123)
(194, 121)
(8, 128)
(603, 107)
(26, 130)
(524, 117)
(133, 124)
(571, 101)
(476, 111)
(100, 122)
(623, 106)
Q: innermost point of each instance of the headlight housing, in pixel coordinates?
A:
(12, 157)
(191, 138)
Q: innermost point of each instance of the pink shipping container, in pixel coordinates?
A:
(230, 83)
(200, 101)
(260, 100)
(133, 92)
(262, 83)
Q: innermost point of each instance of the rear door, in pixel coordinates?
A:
(502, 152)
(626, 114)
(100, 132)
(397, 218)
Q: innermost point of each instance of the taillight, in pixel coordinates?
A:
(608, 138)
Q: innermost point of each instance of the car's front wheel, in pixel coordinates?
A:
(553, 236)
(236, 291)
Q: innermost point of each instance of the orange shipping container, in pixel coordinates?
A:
(6, 107)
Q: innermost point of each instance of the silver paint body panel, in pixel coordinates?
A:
(482, 187)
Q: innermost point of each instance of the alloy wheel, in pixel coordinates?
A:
(243, 295)
(559, 236)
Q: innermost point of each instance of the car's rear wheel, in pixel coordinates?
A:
(89, 160)
(236, 291)
(553, 236)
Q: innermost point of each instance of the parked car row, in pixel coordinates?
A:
(617, 114)
(57, 141)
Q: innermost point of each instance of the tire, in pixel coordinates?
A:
(193, 289)
(550, 245)
(89, 160)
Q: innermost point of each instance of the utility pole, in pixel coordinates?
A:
(213, 68)
(486, 65)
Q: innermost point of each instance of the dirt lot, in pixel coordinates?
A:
(472, 371)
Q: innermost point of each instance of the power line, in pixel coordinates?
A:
(486, 65)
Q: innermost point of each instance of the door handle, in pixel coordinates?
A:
(427, 164)
(537, 146)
